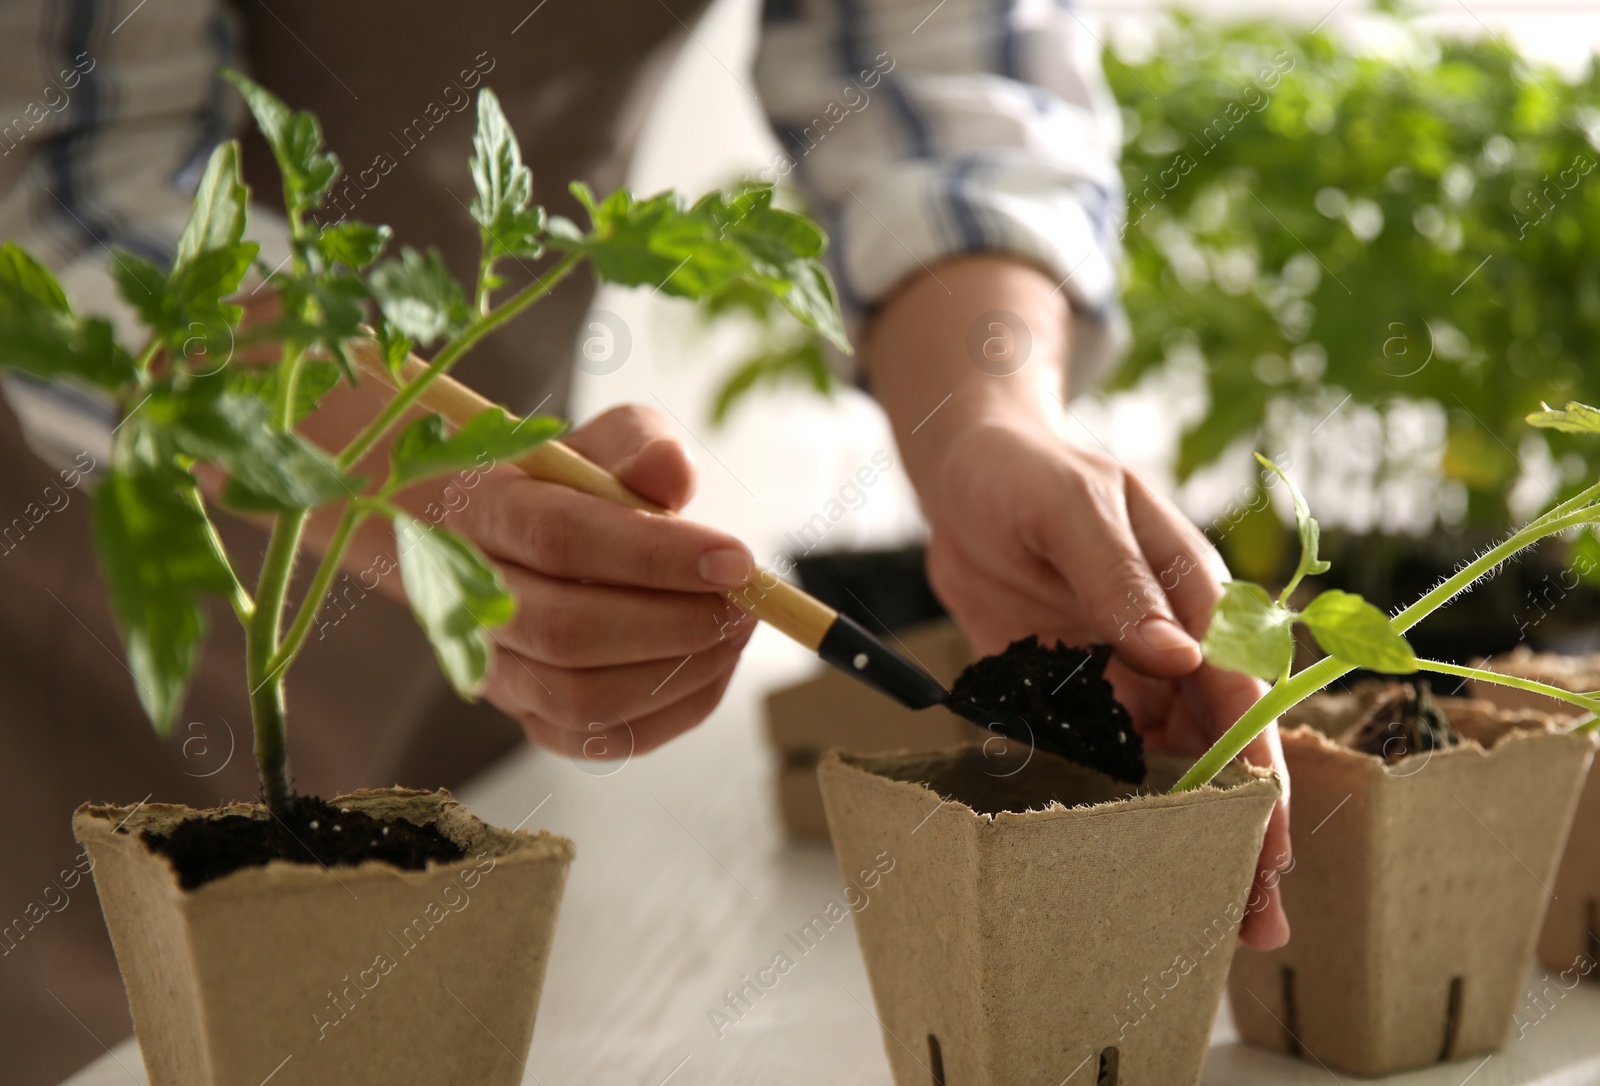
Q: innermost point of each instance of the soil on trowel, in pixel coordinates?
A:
(1057, 699)
(1403, 719)
(310, 831)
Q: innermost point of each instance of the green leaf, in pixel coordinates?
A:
(802, 362)
(49, 344)
(317, 378)
(268, 467)
(322, 312)
(506, 224)
(1575, 418)
(25, 283)
(456, 596)
(782, 250)
(353, 244)
(157, 559)
(700, 252)
(190, 303)
(1249, 632)
(422, 449)
(418, 296)
(395, 345)
(221, 204)
(1353, 630)
(296, 142)
(1310, 532)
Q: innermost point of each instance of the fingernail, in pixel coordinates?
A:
(1163, 635)
(725, 567)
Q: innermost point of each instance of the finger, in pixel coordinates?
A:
(1187, 567)
(638, 445)
(1223, 697)
(1091, 543)
(562, 533)
(626, 738)
(583, 697)
(573, 625)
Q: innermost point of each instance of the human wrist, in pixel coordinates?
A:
(975, 343)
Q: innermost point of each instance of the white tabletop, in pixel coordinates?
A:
(685, 881)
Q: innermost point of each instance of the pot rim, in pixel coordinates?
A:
(1237, 781)
(120, 826)
(1521, 726)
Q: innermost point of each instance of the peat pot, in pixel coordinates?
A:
(1570, 941)
(1417, 888)
(332, 975)
(1031, 921)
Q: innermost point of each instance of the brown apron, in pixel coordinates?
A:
(366, 704)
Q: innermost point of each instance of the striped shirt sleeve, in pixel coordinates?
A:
(109, 110)
(919, 129)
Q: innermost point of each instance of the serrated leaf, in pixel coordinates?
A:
(799, 362)
(268, 467)
(1353, 630)
(52, 345)
(422, 449)
(1310, 532)
(191, 302)
(296, 141)
(507, 225)
(700, 252)
(142, 285)
(1249, 632)
(1575, 418)
(394, 345)
(456, 596)
(25, 283)
(157, 561)
(418, 296)
(317, 378)
(353, 244)
(221, 204)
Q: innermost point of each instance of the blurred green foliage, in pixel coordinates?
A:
(1422, 225)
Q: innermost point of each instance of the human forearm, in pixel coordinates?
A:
(977, 339)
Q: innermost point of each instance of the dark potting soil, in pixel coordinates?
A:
(310, 831)
(1057, 699)
(1402, 720)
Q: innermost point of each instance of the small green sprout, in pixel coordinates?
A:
(1252, 632)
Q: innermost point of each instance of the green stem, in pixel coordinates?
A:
(243, 605)
(261, 645)
(288, 383)
(1286, 694)
(447, 356)
(147, 356)
(311, 604)
(1533, 686)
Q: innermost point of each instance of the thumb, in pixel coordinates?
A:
(1091, 544)
(637, 445)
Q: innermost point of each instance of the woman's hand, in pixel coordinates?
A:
(622, 639)
(1032, 534)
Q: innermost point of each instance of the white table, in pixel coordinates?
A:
(685, 881)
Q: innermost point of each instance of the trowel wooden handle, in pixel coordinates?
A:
(766, 595)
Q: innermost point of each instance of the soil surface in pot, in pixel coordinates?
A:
(1403, 719)
(311, 831)
(1057, 699)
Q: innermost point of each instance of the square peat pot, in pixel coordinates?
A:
(1570, 939)
(332, 975)
(1034, 922)
(832, 710)
(1417, 888)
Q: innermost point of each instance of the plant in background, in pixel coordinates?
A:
(1252, 632)
(1320, 222)
(182, 405)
